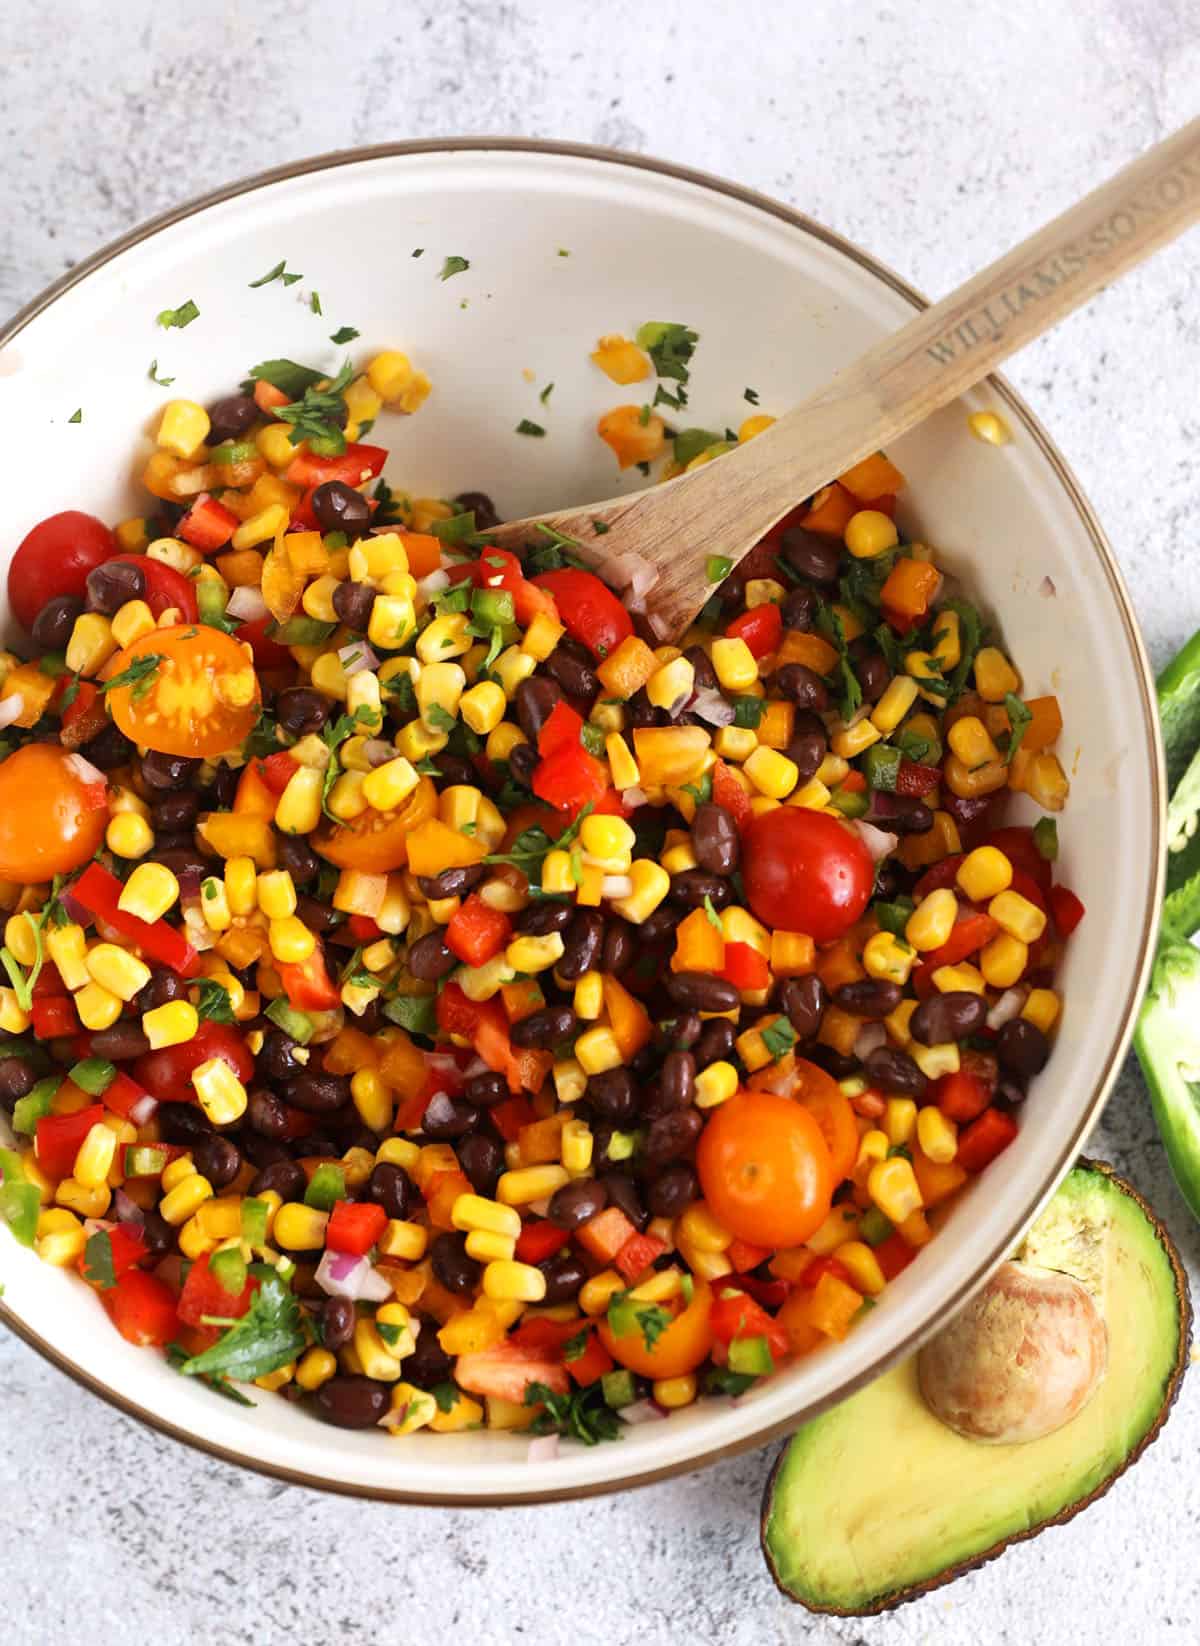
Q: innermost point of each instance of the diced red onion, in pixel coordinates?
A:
(1007, 1007)
(378, 752)
(356, 657)
(247, 603)
(84, 770)
(126, 1210)
(680, 703)
(879, 842)
(443, 1064)
(439, 1111)
(392, 1419)
(659, 624)
(616, 885)
(474, 1067)
(98, 1225)
(641, 1411)
(869, 1038)
(542, 1448)
(1047, 589)
(631, 799)
(433, 583)
(74, 908)
(143, 1110)
(710, 705)
(10, 709)
(341, 1274)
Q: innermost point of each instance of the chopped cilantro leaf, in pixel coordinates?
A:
(314, 302)
(344, 334)
(139, 675)
(286, 376)
(751, 395)
(534, 429)
(601, 528)
(76, 416)
(627, 1315)
(213, 1001)
(152, 374)
(714, 918)
(264, 1339)
(670, 346)
(546, 393)
(453, 266)
(98, 1261)
(318, 415)
(583, 1414)
(279, 272)
(779, 1037)
(1019, 717)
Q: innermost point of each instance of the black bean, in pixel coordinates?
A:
(182, 1123)
(677, 1081)
(804, 1000)
(1009, 1093)
(124, 1039)
(803, 686)
(53, 624)
(391, 1187)
(895, 1072)
(319, 917)
(486, 1089)
(481, 506)
(715, 1044)
(108, 749)
(158, 1235)
(285, 1177)
(565, 1275)
(187, 865)
(317, 1145)
(300, 710)
(613, 1096)
(167, 771)
(582, 943)
(640, 711)
(451, 882)
(446, 1117)
(338, 1319)
(874, 676)
(482, 1160)
(535, 701)
(575, 677)
(671, 1136)
(838, 1064)
(673, 1190)
(174, 813)
(231, 416)
(694, 885)
(339, 508)
(218, 1159)
(543, 917)
(870, 997)
(945, 1017)
(16, 1081)
(298, 858)
(704, 674)
(430, 959)
(317, 1092)
(913, 819)
(970, 810)
(703, 991)
(353, 1402)
(808, 746)
(277, 1060)
(522, 759)
(457, 1272)
(547, 1027)
(1021, 1047)
(353, 603)
(577, 1202)
(266, 1115)
(114, 582)
(428, 1364)
(715, 839)
(620, 946)
(623, 1193)
(800, 610)
(816, 558)
(659, 925)
(261, 1151)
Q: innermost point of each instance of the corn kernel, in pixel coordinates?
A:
(869, 533)
(520, 1282)
(735, 663)
(1017, 916)
(482, 708)
(577, 1146)
(984, 873)
(220, 1093)
(947, 648)
(597, 1293)
(62, 1248)
(651, 883)
(486, 1247)
(814, 796)
(672, 683)
(472, 1211)
(21, 939)
(898, 698)
(116, 970)
(290, 940)
(892, 1185)
(597, 1051)
(772, 773)
(570, 1081)
(888, 957)
(715, 1084)
(185, 1198)
(503, 740)
(676, 1392)
(588, 1002)
(698, 1227)
(94, 1157)
(193, 1242)
(67, 948)
(316, 1367)
(865, 1272)
(932, 921)
(852, 740)
(935, 1061)
(97, 1006)
(389, 785)
(961, 979)
(899, 1119)
(183, 428)
(87, 1201)
(182, 557)
(989, 427)
(149, 892)
(1041, 1009)
(374, 1355)
(528, 1183)
(260, 527)
(704, 1265)
(390, 374)
(129, 835)
(170, 1025)
(995, 676)
(403, 1240)
(1003, 961)
(299, 1228)
(937, 1136)
(174, 1172)
(557, 874)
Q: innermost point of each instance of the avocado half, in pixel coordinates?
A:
(876, 1502)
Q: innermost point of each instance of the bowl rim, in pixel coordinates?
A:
(1031, 425)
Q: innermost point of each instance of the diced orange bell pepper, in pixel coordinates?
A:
(1041, 732)
(909, 587)
(794, 1317)
(627, 1018)
(522, 999)
(839, 1029)
(628, 668)
(433, 846)
(839, 963)
(831, 509)
(540, 1142)
(937, 1181)
(239, 834)
(670, 755)
(699, 945)
(603, 1236)
(307, 553)
(351, 1049)
(253, 795)
(402, 1066)
(620, 360)
(834, 1305)
(792, 953)
(777, 724)
(874, 477)
(442, 1190)
(632, 439)
(816, 654)
(424, 552)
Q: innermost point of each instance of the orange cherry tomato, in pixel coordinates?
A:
(377, 842)
(51, 818)
(765, 1169)
(818, 1092)
(201, 699)
(678, 1349)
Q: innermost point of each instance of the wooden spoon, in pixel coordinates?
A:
(724, 507)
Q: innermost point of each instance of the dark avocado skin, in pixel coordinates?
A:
(875, 1603)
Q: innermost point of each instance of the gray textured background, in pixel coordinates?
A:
(936, 135)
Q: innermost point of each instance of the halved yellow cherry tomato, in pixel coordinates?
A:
(377, 842)
(52, 818)
(678, 1349)
(199, 699)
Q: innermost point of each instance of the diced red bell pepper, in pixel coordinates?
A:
(562, 728)
(307, 983)
(354, 1226)
(58, 1138)
(983, 1140)
(854, 782)
(968, 937)
(604, 1235)
(85, 697)
(941, 874)
(593, 1363)
(476, 932)
(772, 1294)
(638, 1253)
(824, 1266)
(356, 464)
(363, 929)
(53, 1016)
(569, 778)
(728, 792)
(126, 1243)
(203, 1294)
(961, 1096)
(508, 1117)
(745, 1257)
(744, 967)
(143, 1309)
(276, 770)
(122, 1095)
(268, 653)
(587, 608)
(500, 569)
(914, 780)
(538, 1241)
(545, 1335)
(1018, 845)
(894, 1256)
(761, 629)
(207, 525)
(736, 1315)
(1066, 909)
(98, 891)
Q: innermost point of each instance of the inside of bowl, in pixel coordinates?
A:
(562, 249)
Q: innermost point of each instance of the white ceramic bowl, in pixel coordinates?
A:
(779, 304)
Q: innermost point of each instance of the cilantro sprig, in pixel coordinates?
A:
(530, 848)
(139, 676)
(264, 1339)
(320, 413)
(583, 1414)
(628, 1314)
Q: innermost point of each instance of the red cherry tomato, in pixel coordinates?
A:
(165, 587)
(589, 609)
(268, 653)
(167, 1074)
(806, 872)
(55, 558)
(51, 819)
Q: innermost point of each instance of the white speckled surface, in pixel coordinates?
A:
(935, 142)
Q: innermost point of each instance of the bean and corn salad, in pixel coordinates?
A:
(431, 995)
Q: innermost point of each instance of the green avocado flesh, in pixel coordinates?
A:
(876, 1499)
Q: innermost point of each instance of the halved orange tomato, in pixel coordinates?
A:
(678, 1349)
(52, 818)
(377, 842)
(192, 691)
